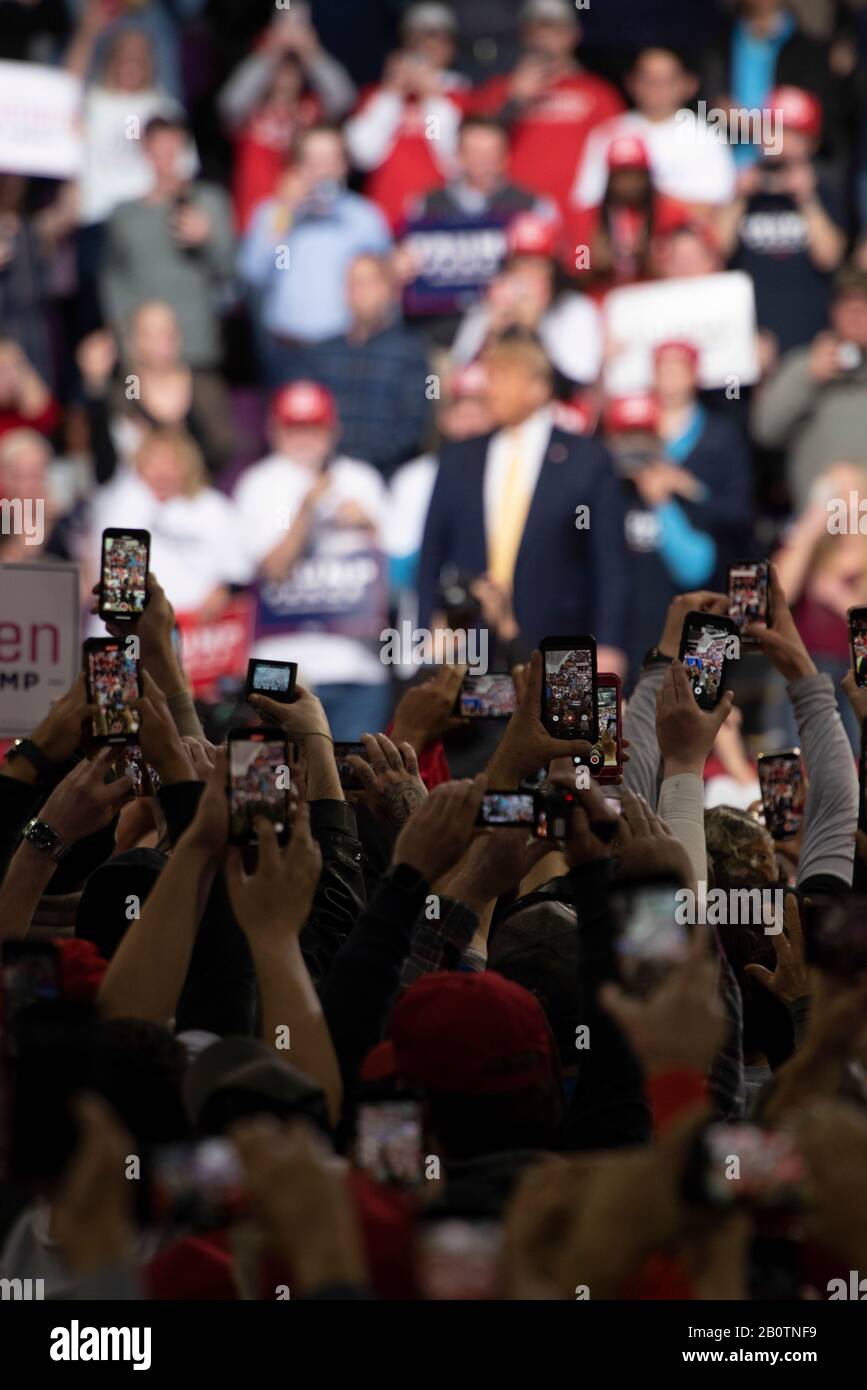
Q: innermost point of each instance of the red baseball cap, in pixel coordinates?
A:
(531, 235)
(798, 109)
(625, 414)
(677, 345)
(473, 1033)
(628, 152)
(304, 403)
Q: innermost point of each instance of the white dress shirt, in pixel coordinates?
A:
(532, 436)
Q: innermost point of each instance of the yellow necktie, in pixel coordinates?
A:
(510, 515)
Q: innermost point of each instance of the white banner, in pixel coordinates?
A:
(716, 313)
(39, 121)
(40, 641)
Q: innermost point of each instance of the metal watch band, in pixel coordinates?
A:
(46, 840)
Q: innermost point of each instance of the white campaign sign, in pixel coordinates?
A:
(717, 313)
(39, 121)
(40, 641)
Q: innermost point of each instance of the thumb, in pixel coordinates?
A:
(723, 709)
(762, 974)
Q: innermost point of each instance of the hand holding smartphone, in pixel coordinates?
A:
(123, 574)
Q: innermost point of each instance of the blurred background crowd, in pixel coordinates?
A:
(312, 255)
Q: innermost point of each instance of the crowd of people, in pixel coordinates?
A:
(527, 322)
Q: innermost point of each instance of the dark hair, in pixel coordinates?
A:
(482, 123)
(850, 280)
(157, 124)
(64, 1049)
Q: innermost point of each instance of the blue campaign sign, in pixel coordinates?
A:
(457, 261)
(342, 594)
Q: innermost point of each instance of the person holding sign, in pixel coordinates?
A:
(312, 523)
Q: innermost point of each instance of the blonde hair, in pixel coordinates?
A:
(521, 349)
(186, 450)
(738, 847)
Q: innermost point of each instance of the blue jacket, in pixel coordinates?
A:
(567, 581)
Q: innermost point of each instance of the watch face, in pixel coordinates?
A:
(42, 837)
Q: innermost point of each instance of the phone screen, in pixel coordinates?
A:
(276, 679)
(605, 757)
(703, 653)
(388, 1143)
(459, 1260)
(113, 685)
(506, 809)
(258, 764)
(124, 573)
(783, 793)
(201, 1184)
(650, 942)
(487, 697)
(769, 1171)
(569, 692)
(858, 641)
(349, 778)
(748, 593)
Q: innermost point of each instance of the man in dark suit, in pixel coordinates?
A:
(532, 510)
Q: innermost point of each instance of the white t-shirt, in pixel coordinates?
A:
(688, 161)
(195, 545)
(114, 168)
(268, 498)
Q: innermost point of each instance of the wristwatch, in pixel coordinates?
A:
(46, 840)
(27, 749)
(656, 658)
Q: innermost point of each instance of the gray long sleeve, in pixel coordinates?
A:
(641, 773)
(831, 812)
(783, 401)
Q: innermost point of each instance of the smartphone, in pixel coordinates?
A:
(703, 647)
(781, 779)
(459, 1259)
(276, 679)
(569, 696)
(349, 778)
(858, 643)
(506, 810)
(650, 940)
(486, 697)
(198, 1185)
(124, 574)
(388, 1142)
(605, 761)
(30, 974)
(749, 592)
(113, 683)
(134, 767)
(740, 1164)
(258, 782)
(835, 934)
